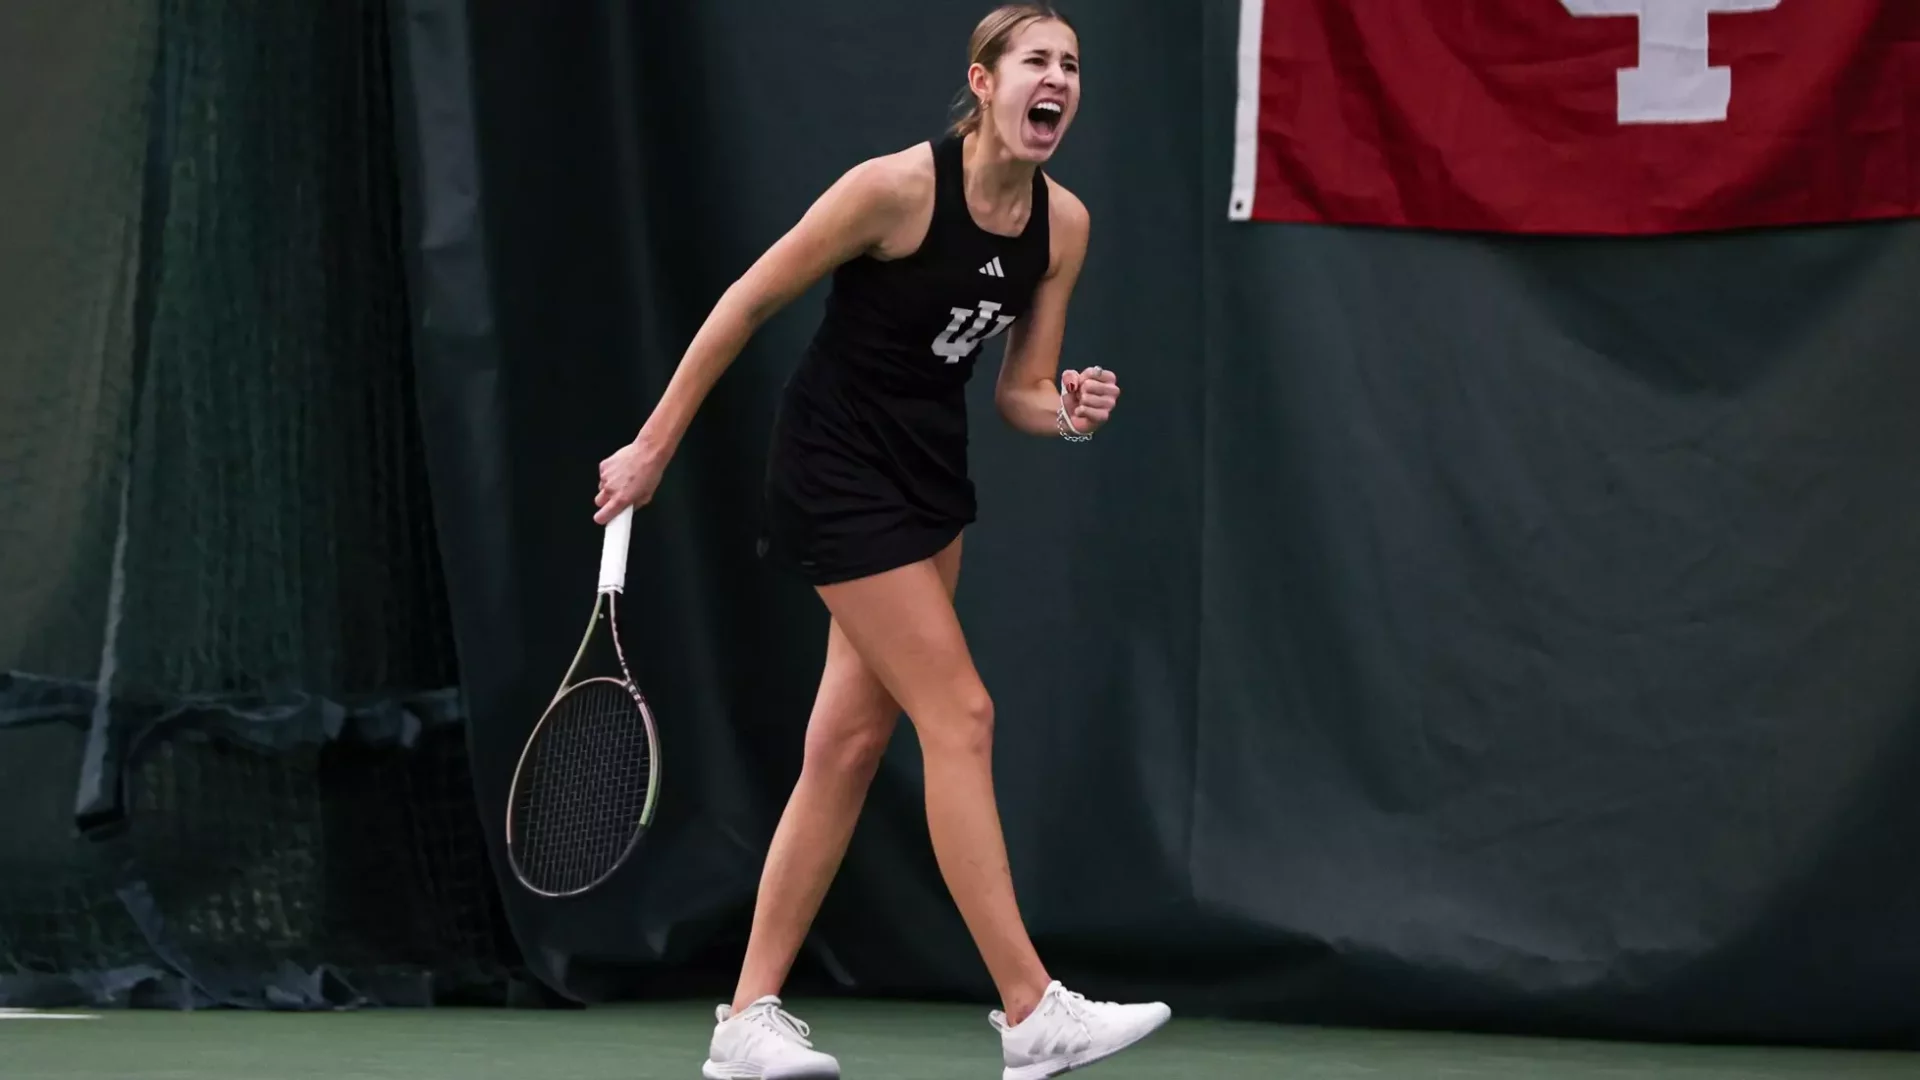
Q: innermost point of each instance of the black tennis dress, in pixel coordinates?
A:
(867, 469)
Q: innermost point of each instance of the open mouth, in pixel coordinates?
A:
(1045, 118)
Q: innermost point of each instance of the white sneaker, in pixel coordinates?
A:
(764, 1042)
(1066, 1031)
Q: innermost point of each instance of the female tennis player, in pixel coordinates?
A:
(934, 250)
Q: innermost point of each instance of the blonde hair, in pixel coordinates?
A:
(989, 43)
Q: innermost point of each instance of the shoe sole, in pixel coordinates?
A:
(1041, 1070)
(714, 1071)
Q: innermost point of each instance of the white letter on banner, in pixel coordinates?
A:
(1673, 83)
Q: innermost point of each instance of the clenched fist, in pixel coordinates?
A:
(1089, 397)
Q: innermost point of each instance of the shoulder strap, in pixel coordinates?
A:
(949, 177)
(1039, 211)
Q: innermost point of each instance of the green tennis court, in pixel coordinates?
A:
(889, 1040)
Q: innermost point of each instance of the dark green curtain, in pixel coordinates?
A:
(232, 759)
(1482, 631)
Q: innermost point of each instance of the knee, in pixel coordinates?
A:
(850, 748)
(966, 727)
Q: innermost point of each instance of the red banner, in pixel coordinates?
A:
(1578, 116)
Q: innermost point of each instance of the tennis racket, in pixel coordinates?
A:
(588, 779)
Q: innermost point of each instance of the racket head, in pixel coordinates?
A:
(585, 789)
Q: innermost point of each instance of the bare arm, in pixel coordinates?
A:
(1026, 392)
(853, 216)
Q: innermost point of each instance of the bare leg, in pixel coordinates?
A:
(903, 624)
(853, 719)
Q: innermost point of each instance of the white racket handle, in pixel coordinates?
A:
(613, 552)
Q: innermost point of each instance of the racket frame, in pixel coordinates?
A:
(613, 576)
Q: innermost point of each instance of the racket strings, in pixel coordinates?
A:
(584, 788)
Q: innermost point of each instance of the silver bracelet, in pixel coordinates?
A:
(1065, 426)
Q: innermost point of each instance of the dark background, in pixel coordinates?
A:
(1474, 631)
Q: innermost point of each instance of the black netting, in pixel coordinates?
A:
(278, 526)
(261, 863)
(215, 509)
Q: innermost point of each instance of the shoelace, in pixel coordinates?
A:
(1075, 1006)
(782, 1023)
(1079, 1004)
